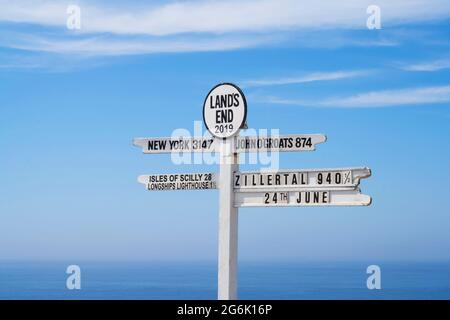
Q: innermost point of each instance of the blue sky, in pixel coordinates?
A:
(71, 101)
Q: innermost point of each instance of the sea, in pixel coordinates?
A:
(195, 280)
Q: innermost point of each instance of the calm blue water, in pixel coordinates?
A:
(198, 281)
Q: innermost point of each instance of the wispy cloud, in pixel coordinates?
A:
(220, 16)
(428, 66)
(123, 27)
(375, 99)
(311, 77)
(48, 62)
(106, 45)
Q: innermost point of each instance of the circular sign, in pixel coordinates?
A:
(225, 110)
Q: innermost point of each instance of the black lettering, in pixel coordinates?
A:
(230, 116)
(236, 100)
(316, 197)
(236, 183)
(294, 178)
(266, 200)
(290, 143)
(286, 175)
(223, 101)
(229, 100)
(224, 116)
(325, 197)
(299, 198)
(217, 102)
(277, 179)
(307, 197)
(303, 178)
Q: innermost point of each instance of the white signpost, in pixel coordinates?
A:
(239, 144)
(348, 178)
(176, 144)
(179, 181)
(224, 114)
(318, 197)
(225, 110)
(297, 142)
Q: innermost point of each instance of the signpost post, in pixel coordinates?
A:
(228, 225)
(224, 114)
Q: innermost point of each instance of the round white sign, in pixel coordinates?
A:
(224, 110)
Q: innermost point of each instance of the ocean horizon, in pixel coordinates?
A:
(198, 280)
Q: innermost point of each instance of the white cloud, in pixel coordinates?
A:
(311, 77)
(203, 25)
(429, 66)
(48, 62)
(111, 46)
(376, 99)
(220, 16)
